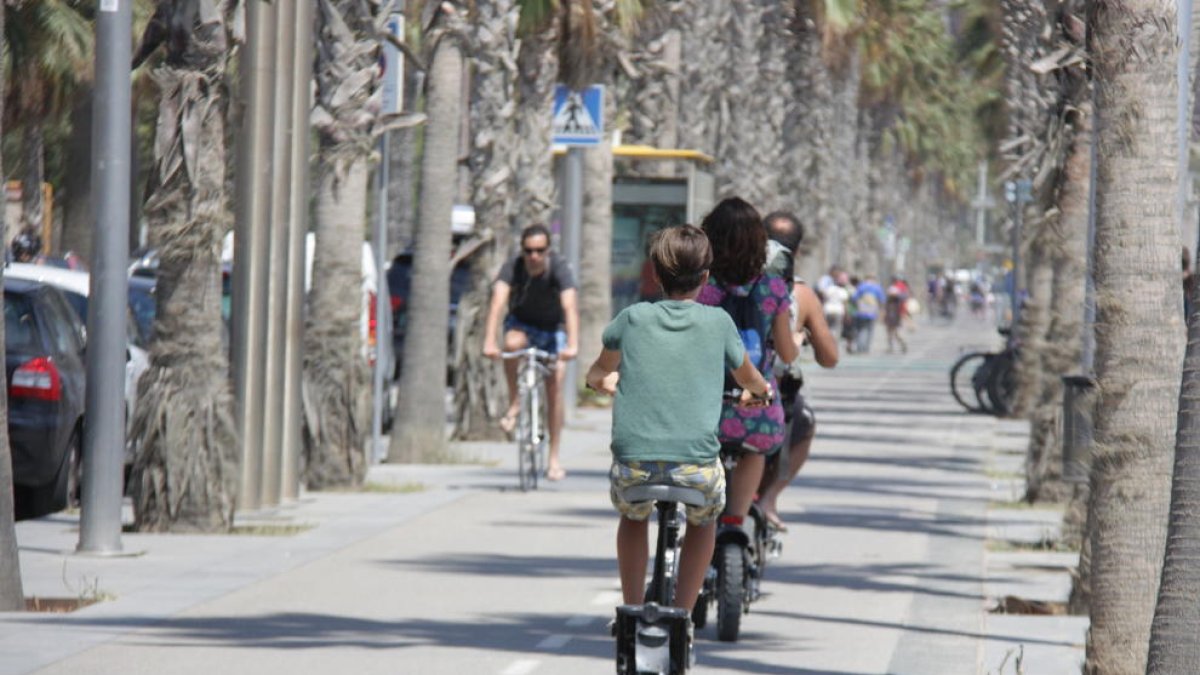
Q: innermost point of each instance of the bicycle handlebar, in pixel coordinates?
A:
(539, 354)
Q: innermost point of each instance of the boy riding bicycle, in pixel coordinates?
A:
(665, 363)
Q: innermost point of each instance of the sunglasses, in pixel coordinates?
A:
(531, 251)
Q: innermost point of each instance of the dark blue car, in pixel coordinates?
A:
(43, 340)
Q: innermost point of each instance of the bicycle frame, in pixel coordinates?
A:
(653, 637)
(532, 422)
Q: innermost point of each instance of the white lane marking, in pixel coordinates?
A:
(553, 642)
(522, 667)
(579, 620)
(610, 598)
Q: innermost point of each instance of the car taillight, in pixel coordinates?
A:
(38, 379)
(372, 326)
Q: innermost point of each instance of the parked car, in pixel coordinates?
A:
(75, 286)
(45, 372)
(399, 278)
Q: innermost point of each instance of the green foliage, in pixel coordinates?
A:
(938, 87)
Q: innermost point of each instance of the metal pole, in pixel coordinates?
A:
(572, 234)
(251, 250)
(104, 434)
(281, 146)
(382, 297)
(981, 206)
(291, 425)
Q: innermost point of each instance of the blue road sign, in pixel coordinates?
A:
(578, 115)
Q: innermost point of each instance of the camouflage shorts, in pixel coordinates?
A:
(708, 478)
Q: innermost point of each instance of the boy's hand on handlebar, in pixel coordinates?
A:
(491, 350)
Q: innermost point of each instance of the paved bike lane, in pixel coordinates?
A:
(885, 567)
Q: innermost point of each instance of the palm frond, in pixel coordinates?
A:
(536, 16)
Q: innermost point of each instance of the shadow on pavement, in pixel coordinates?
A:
(890, 520)
(870, 578)
(919, 629)
(492, 564)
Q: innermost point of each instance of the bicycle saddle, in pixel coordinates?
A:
(664, 493)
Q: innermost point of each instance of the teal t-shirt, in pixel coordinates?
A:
(674, 355)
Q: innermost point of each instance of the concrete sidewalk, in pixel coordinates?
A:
(900, 541)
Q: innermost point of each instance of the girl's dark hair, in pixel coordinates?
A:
(681, 255)
(739, 241)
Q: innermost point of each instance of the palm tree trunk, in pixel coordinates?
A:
(12, 597)
(595, 265)
(420, 430)
(1173, 644)
(336, 393)
(32, 202)
(479, 390)
(185, 473)
(335, 373)
(1134, 53)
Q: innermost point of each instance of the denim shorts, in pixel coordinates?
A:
(708, 478)
(552, 341)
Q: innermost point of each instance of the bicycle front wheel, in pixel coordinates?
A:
(527, 442)
(962, 385)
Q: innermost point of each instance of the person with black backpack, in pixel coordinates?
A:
(537, 290)
(759, 304)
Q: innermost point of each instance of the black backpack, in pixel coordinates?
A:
(747, 317)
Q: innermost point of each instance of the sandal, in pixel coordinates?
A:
(508, 422)
(774, 522)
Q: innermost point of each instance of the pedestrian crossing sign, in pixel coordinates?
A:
(578, 115)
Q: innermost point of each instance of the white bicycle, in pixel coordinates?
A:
(532, 430)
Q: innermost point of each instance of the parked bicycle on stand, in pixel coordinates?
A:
(986, 382)
(532, 424)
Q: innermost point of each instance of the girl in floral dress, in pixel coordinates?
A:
(739, 244)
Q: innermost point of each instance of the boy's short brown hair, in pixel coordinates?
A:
(681, 255)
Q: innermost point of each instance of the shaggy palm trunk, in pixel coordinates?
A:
(185, 472)
(1043, 476)
(1173, 644)
(479, 390)
(1134, 52)
(513, 187)
(1035, 322)
(336, 391)
(420, 430)
(335, 373)
(12, 597)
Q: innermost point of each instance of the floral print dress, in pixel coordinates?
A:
(757, 429)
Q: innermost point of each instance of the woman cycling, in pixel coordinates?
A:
(739, 244)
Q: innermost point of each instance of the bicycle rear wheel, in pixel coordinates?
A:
(1002, 383)
(731, 590)
(962, 382)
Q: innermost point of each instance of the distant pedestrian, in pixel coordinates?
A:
(868, 301)
(893, 316)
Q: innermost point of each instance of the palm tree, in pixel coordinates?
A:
(420, 427)
(185, 471)
(1173, 644)
(12, 597)
(50, 46)
(1137, 371)
(334, 369)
